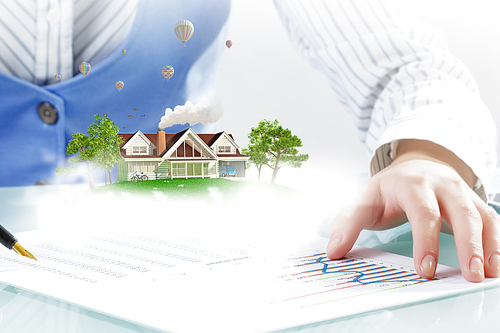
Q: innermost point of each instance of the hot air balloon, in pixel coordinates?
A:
(85, 68)
(124, 51)
(184, 30)
(167, 71)
(57, 77)
(229, 43)
(119, 85)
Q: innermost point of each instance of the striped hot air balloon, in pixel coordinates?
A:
(167, 71)
(85, 68)
(184, 30)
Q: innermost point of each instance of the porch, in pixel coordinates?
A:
(193, 169)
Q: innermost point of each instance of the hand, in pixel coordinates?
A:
(426, 185)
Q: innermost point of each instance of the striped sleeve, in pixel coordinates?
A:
(395, 75)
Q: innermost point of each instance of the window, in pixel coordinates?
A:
(178, 169)
(224, 149)
(142, 167)
(140, 150)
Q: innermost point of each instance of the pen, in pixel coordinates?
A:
(9, 241)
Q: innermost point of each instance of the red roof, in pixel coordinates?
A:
(209, 139)
(170, 140)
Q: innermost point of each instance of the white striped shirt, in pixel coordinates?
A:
(395, 75)
(40, 39)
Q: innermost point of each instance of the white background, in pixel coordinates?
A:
(264, 77)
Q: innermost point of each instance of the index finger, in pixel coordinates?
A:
(350, 221)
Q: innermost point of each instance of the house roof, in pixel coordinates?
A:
(187, 151)
(210, 139)
(171, 139)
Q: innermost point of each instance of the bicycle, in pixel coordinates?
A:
(135, 177)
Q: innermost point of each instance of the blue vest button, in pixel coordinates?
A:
(47, 113)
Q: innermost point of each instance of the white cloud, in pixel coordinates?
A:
(205, 112)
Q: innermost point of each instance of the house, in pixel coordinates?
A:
(178, 155)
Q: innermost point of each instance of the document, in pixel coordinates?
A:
(187, 283)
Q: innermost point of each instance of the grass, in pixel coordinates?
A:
(194, 188)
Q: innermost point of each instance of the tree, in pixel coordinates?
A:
(272, 145)
(107, 141)
(257, 148)
(99, 148)
(256, 157)
(82, 145)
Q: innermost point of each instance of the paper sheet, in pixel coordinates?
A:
(183, 283)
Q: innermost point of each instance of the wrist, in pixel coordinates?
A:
(412, 149)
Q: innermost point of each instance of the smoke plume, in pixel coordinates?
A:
(205, 112)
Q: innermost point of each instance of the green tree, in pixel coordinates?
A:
(256, 157)
(272, 145)
(257, 148)
(83, 146)
(100, 147)
(107, 142)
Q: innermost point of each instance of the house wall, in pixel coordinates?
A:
(142, 166)
(186, 150)
(122, 170)
(164, 170)
(138, 141)
(224, 142)
(126, 169)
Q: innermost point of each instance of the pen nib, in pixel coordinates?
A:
(22, 251)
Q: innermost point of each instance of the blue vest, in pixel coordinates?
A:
(31, 148)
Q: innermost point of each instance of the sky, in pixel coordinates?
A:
(263, 76)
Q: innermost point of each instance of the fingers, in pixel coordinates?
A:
(460, 209)
(490, 238)
(426, 193)
(348, 223)
(345, 229)
(476, 228)
(423, 213)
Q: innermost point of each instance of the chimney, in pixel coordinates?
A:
(160, 142)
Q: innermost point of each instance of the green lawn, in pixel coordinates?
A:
(195, 188)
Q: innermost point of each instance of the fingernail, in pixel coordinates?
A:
(476, 266)
(494, 261)
(428, 266)
(334, 242)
